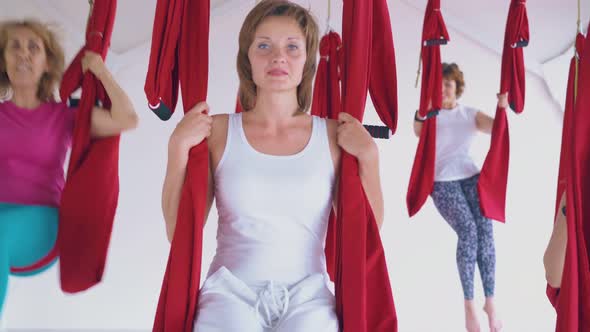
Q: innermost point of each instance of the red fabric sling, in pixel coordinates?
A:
(493, 178)
(572, 300)
(90, 195)
(434, 34)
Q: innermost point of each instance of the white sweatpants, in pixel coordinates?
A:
(227, 304)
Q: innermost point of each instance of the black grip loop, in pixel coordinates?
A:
(162, 111)
(381, 132)
(435, 42)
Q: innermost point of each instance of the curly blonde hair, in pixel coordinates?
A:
(55, 57)
(309, 27)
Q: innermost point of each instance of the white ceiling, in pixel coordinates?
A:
(132, 31)
(553, 23)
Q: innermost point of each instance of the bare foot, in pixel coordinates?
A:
(471, 321)
(494, 321)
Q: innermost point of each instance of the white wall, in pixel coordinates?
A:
(420, 252)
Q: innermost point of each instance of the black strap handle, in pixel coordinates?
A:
(521, 43)
(435, 42)
(381, 132)
(429, 115)
(162, 111)
(75, 102)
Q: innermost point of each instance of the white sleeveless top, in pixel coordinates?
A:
(455, 130)
(273, 210)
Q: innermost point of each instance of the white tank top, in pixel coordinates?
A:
(455, 130)
(273, 210)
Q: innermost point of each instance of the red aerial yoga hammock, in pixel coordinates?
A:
(494, 173)
(572, 300)
(327, 96)
(434, 34)
(90, 195)
(564, 157)
(567, 120)
(180, 55)
(326, 92)
(363, 291)
(364, 300)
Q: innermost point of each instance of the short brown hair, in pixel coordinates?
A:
(55, 57)
(309, 27)
(451, 71)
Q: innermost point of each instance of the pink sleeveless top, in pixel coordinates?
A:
(33, 147)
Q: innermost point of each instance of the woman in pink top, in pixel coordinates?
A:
(35, 134)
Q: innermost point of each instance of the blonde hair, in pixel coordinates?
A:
(309, 27)
(53, 50)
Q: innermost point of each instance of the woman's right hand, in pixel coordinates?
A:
(194, 127)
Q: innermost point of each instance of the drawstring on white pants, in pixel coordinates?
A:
(274, 300)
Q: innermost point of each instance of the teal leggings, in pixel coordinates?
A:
(27, 234)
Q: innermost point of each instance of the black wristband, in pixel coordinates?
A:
(416, 118)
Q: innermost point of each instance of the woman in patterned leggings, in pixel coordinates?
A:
(455, 193)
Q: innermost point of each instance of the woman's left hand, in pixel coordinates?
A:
(354, 138)
(93, 61)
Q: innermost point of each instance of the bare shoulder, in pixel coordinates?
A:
(333, 139)
(217, 139)
(332, 131)
(332, 128)
(218, 128)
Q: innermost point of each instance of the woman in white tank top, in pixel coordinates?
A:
(273, 174)
(455, 193)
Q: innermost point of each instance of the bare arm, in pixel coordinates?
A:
(484, 123)
(419, 124)
(554, 257)
(336, 154)
(371, 180)
(353, 138)
(122, 116)
(172, 189)
(418, 127)
(190, 131)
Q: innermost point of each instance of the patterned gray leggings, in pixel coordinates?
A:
(458, 203)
